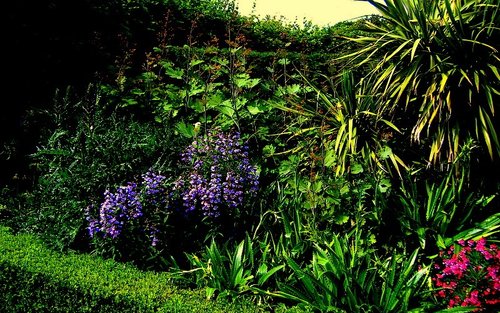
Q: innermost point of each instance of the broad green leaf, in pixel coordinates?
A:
(210, 291)
(270, 273)
(283, 61)
(329, 158)
(341, 219)
(186, 130)
(384, 185)
(195, 62)
(226, 110)
(171, 71)
(385, 152)
(344, 189)
(254, 110)
(356, 168)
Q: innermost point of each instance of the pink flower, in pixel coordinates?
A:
(455, 300)
(472, 300)
(469, 275)
(493, 301)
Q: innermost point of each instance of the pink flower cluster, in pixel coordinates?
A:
(468, 275)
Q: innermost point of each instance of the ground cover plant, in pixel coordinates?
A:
(351, 168)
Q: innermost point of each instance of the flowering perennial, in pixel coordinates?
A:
(128, 204)
(154, 188)
(116, 209)
(218, 177)
(469, 276)
(219, 174)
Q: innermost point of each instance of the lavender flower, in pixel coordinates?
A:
(130, 206)
(218, 174)
(115, 211)
(154, 188)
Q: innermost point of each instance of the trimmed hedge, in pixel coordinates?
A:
(36, 279)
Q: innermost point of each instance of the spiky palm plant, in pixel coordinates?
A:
(348, 125)
(435, 66)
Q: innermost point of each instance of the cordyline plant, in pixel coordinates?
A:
(468, 274)
(346, 124)
(435, 65)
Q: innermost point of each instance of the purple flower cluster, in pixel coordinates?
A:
(115, 211)
(129, 204)
(154, 188)
(219, 174)
(154, 194)
(469, 276)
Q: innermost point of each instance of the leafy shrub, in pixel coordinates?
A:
(232, 271)
(35, 279)
(186, 85)
(441, 206)
(210, 197)
(347, 275)
(87, 148)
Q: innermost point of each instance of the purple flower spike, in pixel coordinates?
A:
(219, 174)
(115, 211)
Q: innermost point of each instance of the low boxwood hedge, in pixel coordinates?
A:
(35, 279)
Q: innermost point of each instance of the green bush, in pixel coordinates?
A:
(86, 146)
(36, 279)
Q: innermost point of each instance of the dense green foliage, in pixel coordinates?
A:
(36, 279)
(440, 65)
(324, 167)
(87, 41)
(84, 149)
